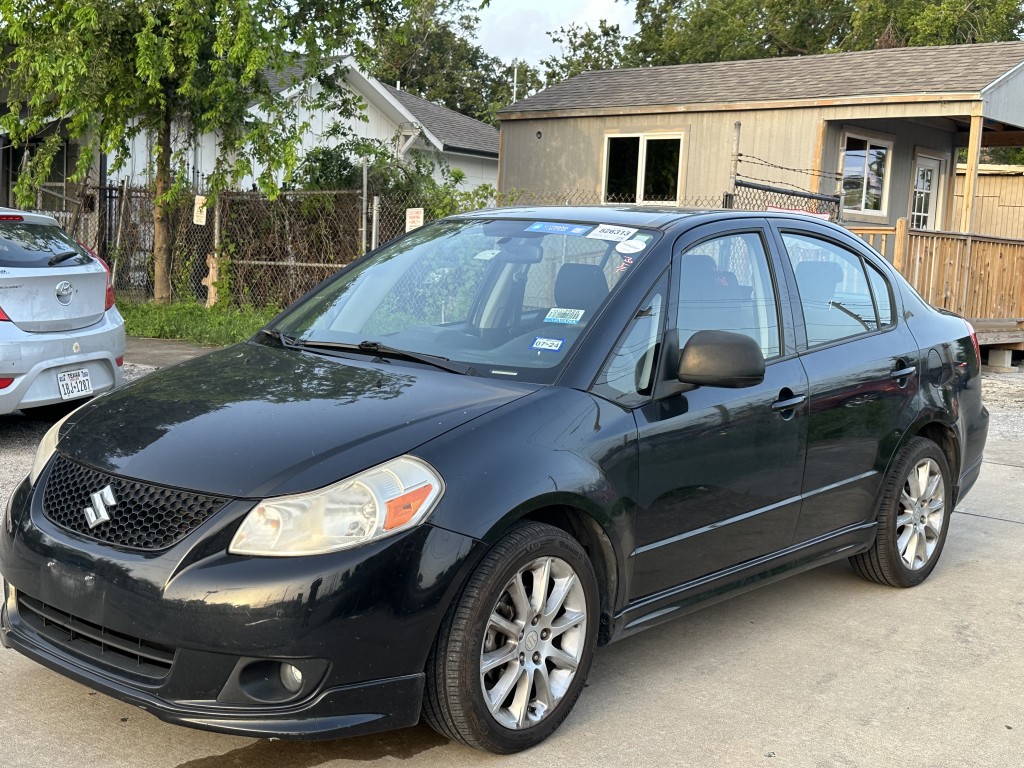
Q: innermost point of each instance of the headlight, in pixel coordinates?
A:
(46, 448)
(371, 505)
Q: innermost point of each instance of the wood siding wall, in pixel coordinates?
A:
(998, 205)
(569, 153)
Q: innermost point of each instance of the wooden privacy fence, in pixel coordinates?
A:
(976, 276)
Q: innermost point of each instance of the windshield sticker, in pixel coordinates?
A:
(486, 255)
(551, 228)
(564, 316)
(630, 246)
(611, 232)
(627, 262)
(551, 345)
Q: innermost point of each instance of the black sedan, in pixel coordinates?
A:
(439, 481)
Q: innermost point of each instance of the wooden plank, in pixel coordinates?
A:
(990, 338)
(994, 139)
(971, 174)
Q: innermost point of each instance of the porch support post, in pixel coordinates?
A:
(971, 177)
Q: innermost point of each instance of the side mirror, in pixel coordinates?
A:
(721, 359)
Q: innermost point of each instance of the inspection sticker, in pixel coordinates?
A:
(486, 255)
(611, 232)
(551, 228)
(564, 316)
(552, 345)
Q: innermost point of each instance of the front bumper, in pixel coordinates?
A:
(195, 636)
(33, 360)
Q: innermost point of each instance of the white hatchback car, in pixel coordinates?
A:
(61, 337)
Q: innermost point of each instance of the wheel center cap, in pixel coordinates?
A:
(531, 641)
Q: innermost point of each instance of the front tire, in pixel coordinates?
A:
(514, 650)
(913, 518)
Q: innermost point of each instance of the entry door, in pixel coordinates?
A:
(720, 469)
(924, 203)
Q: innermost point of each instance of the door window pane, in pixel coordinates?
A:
(725, 284)
(833, 289)
(883, 297)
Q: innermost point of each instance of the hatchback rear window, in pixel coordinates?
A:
(25, 244)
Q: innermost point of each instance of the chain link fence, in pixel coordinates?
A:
(261, 252)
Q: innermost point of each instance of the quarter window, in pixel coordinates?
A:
(834, 292)
(725, 285)
(643, 169)
(629, 371)
(865, 170)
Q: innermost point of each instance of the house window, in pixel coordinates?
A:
(643, 169)
(865, 173)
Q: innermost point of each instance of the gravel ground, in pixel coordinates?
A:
(1004, 396)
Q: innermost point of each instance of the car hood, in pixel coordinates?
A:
(255, 421)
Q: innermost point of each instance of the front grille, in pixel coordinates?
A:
(145, 517)
(131, 655)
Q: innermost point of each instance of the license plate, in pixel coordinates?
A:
(74, 384)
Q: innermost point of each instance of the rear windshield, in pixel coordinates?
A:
(23, 244)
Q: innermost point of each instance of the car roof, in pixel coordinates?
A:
(649, 216)
(31, 218)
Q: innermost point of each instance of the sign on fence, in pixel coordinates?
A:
(413, 219)
(199, 211)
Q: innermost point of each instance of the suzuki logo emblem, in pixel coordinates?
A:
(99, 512)
(65, 292)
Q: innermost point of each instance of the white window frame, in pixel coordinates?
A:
(878, 140)
(641, 164)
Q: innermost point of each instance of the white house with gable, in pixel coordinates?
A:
(398, 118)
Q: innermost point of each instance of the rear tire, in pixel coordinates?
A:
(913, 518)
(513, 652)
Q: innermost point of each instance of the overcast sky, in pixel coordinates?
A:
(515, 29)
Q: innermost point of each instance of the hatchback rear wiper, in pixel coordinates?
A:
(63, 256)
(383, 350)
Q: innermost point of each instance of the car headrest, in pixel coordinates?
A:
(817, 280)
(580, 286)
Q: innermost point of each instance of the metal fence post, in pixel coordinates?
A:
(375, 233)
(362, 223)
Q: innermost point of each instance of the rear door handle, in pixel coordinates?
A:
(903, 373)
(788, 404)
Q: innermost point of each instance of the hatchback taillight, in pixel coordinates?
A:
(3, 315)
(109, 302)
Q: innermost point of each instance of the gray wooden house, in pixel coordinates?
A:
(879, 128)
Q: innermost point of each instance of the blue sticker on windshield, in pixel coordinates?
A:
(573, 230)
(551, 345)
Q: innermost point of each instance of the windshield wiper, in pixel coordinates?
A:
(383, 350)
(286, 341)
(63, 256)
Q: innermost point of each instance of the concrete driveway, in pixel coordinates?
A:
(821, 670)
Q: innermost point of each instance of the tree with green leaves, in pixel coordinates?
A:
(105, 71)
(584, 48)
(428, 46)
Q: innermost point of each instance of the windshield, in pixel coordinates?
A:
(509, 298)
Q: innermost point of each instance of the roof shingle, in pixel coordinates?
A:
(455, 131)
(890, 71)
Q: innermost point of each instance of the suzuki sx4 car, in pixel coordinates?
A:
(439, 481)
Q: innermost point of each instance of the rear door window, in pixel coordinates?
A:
(27, 244)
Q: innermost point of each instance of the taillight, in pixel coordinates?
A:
(5, 383)
(11, 217)
(974, 341)
(3, 315)
(109, 302)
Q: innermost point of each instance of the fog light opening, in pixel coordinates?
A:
(291, 678)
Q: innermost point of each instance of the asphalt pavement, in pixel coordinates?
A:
(822, 670)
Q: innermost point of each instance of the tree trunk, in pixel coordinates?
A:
(161, 225)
